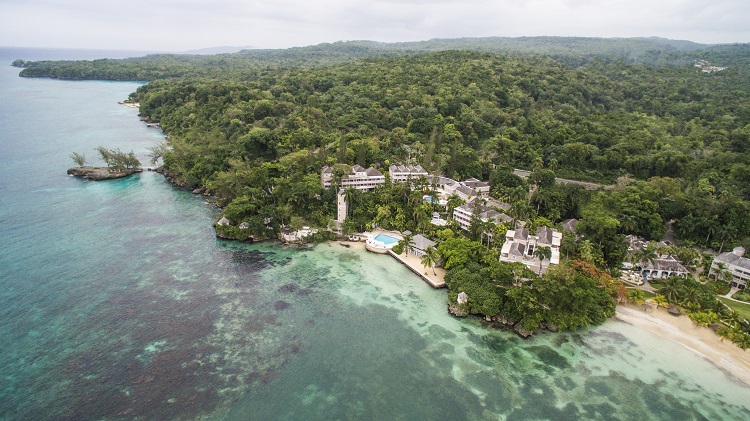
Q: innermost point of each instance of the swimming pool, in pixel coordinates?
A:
(386, 239)
(381, 243)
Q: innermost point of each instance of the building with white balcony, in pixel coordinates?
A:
(519, 246)
(360, 178)
(402, 173)
(733, 263)
(463, 214)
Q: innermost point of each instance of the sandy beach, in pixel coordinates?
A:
(679, 329)
(701, 340)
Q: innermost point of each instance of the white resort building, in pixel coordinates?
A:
(360, 178)
(663, 267)
(519, 246)
(463, 214)
(735, 263)
(402, 173)
(466, 190)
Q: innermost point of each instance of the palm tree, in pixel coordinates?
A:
(454, 201)
(723, 332)
(710, 229)
(742, 340)
(726, 234)
(541, 197)
(430, 258)
(646, 254)
(349, 194)
(489, 230)
(628, 223)
(733, 319)
(672, 289)
(517, 194)
(636, 295)
(407, 242)
(384, 213)
(542, 253)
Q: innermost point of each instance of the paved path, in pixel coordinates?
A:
(415, 264)
(647, 287)
(587, 185)
(731, 292)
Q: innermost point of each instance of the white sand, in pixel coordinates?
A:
(701, 340)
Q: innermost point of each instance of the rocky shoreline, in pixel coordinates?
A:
(500, 321)
(101, 173)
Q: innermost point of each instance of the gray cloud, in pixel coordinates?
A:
(187, 24)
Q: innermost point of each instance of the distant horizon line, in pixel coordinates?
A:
(240, 48)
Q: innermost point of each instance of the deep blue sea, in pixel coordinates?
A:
(118, 302)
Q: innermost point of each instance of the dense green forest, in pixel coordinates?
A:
(251, 64)
(672, 141)
(680, 134)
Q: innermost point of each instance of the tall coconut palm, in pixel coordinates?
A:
(407, 242)
(646, 254)
(542, 253)
(349, 195)
(430, 258)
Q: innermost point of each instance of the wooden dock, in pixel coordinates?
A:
(415, 265)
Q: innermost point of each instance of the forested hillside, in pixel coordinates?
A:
(256, 127)
(250, 64)
(464, 114)
(671, 140)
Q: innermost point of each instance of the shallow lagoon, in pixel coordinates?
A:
(116, 300)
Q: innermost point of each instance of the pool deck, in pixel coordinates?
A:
(434, 279)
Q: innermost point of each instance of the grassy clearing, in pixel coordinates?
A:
(743, 309)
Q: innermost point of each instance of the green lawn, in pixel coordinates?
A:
(647, 294)
(742, 308)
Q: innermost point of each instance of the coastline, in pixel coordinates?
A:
(702, 340)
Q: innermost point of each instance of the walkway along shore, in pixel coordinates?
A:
(434, 279)
(414, 263)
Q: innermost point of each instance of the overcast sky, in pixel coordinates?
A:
(178, 25)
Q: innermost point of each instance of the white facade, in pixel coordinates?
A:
(463, 214)
(519, 246)
(360, 178)
(402, 173)
(735, 263)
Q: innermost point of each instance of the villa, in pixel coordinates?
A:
(663, 267)
(480, 187)
(463, 214)
(420, 244)
(519, 246)
(467, 190)
(360, 178)
(734, 263)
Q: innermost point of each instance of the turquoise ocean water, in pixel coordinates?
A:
(118, 302)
